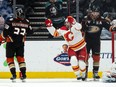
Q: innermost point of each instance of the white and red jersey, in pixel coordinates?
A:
(73, 36)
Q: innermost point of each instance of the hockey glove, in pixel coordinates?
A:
(71, 20)
(48, 22)
(2, 40)
(114, 29)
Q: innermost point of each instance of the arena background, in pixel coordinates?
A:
(40, 49)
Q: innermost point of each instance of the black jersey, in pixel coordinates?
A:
(93, 28)
(55, 12)
(16, 29)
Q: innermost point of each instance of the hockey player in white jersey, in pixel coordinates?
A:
(110, 76)
(71, 31)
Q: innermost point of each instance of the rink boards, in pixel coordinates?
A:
(40, 55)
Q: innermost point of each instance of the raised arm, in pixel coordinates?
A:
(51, 29)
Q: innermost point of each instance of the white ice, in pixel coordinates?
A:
(54, 83)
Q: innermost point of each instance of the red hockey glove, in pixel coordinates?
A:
(48, 22)
(1, 42)
(71, 20)
(1, 39)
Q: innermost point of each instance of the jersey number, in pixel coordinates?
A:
(19, 31)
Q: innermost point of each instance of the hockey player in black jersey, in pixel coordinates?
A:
(14, 34)
(92, 26)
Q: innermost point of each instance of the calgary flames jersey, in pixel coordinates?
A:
(16, 29)
(72, 36)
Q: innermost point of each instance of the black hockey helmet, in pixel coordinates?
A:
(19, 12)
(93, 8)
(94, 12)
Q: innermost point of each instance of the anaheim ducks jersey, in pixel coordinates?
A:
(72, 36)
(16, 29)
(93, 28)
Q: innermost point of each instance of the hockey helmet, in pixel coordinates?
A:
(113, 22)
(94, 12)
(19, 12)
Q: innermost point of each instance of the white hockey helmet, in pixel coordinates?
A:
(113, 22)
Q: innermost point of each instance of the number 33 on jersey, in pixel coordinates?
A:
(16, 29)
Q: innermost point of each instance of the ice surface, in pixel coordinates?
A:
(54, 83)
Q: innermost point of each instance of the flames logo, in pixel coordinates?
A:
(69, 36)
